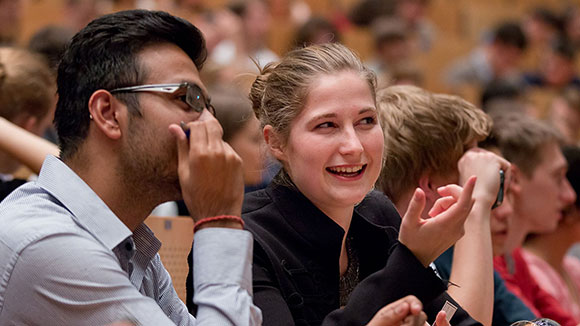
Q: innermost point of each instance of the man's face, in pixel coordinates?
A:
(149, 153)
(542, 197)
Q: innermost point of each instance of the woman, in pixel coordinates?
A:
(319, 229)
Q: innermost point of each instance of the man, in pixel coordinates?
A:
(430, 141)
(73, 243)
(540, 193)
(27, 99)
(495, 60)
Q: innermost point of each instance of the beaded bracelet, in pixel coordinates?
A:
(217, 218)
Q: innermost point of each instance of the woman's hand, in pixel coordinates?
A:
(429, 238)
(407, 311)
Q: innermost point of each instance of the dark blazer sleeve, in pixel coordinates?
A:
(267, 295)
(460, 318)
(402, 275)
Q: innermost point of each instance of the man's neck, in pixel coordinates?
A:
(128, 204)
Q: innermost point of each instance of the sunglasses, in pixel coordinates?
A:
(189, 93)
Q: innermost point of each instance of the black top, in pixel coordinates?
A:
(296, 255)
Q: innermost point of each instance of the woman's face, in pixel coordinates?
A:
(335, 147)
(248, 144)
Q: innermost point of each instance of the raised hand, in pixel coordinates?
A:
(210, 171)
(429, 238)
(485, 165)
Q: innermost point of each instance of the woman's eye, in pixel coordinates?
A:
(369, 121)
(325, 125)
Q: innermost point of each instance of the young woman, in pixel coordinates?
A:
(323, 239)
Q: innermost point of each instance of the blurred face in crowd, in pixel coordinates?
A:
(542, 197)
(248, 143)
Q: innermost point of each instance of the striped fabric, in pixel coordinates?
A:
(66, 259)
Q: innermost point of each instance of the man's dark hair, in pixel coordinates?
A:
(500, 89)
(510, 33)
(103, 55)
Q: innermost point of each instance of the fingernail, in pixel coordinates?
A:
(399, 309)
(416, 306)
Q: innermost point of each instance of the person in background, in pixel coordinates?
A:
(317, 30)
(545, 253)
(27, 99)
(564, 115)
(540, 194)
(499, 58)
(557, 69)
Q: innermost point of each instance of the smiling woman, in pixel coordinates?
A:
(323, 238)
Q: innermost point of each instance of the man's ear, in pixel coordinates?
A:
(274, 143)
(516, 180)
(426, 184)
(30, 123)
(105, 111)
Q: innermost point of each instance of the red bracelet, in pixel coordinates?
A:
(218, 218)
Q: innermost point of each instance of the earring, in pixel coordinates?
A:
(91, 116)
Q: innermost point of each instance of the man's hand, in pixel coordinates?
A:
(485, 165)
(406, 311)
(210, 171)
(429, 238)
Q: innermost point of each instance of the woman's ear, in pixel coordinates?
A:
(104, 111)
(274, 143)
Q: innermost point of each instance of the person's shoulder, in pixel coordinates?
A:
(377, 208)
(30, 213)
(256, 201)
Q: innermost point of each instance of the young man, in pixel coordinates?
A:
(430, 141)
(74, 242)
(27, 99)
(540, 193)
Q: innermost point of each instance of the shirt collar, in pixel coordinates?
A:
(88, 210)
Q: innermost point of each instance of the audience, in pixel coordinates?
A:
(318, 225)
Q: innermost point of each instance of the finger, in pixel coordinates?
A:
(452, 190)
(441, 205)
(390, 315)
(214, 134)
(415, 304)
(465, 200)
(413, 215)
(182, 148)
(198, 136)
(441, 319)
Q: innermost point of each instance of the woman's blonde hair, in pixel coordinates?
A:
(279, 92)
(424, 132)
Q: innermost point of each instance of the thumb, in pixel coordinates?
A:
(415, 209)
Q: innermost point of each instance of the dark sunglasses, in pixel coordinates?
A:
(192, 94)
